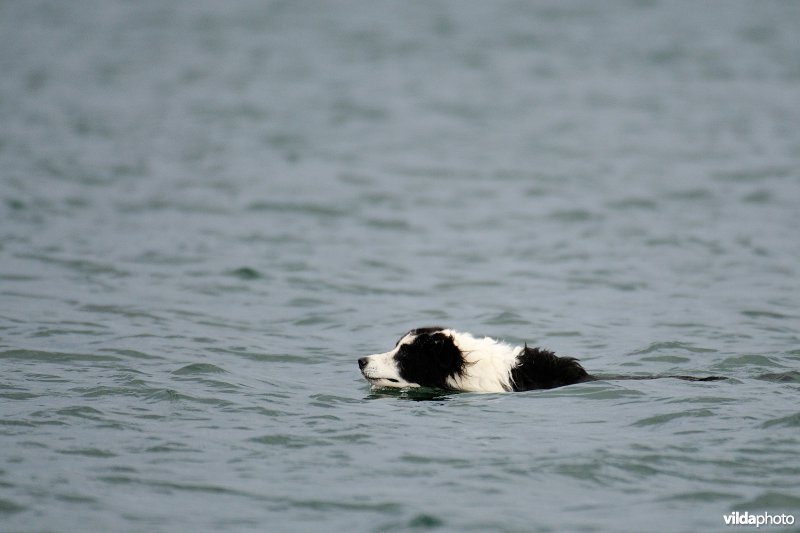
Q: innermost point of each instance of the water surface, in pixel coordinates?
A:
(208, 212)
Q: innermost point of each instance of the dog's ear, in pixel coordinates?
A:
(444, 352)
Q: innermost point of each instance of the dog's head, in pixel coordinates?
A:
(423, 357)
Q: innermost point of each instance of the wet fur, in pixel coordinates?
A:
(443, 358)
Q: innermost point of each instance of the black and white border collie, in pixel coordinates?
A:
(443, 358)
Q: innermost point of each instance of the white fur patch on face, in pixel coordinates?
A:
(381, 370)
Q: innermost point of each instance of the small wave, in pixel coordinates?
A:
(700, 496)
(506, 318)
(667, 359)
(88, 452)
(792, 376)
(770, 500)
(171, 395)
(671, 346)
(387, 224)
(327, 505)
(633, 203)
(744, 361)
(82, 265)
(792, 421)
(245, 273)
(425, 521)
(288, 441)
(753, 174)
(54, 357)
(573, 215)
(758, 313)
(308, 209)
(198, 368)
(9, 507)
(79, 411)
(668, 417)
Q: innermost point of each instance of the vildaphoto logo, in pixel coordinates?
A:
(763, 519)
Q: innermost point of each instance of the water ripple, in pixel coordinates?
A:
(198, 369)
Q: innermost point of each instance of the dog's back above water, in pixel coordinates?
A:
(443, 358)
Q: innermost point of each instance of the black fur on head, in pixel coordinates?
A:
(420, 331)
(429, 358)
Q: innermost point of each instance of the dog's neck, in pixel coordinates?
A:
(488, 364)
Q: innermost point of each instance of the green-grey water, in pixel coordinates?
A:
(210, 210)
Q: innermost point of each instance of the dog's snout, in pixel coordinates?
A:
(362, 363)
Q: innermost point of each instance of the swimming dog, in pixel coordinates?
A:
(443, 358)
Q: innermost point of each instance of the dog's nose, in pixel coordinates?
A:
(362, 363)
